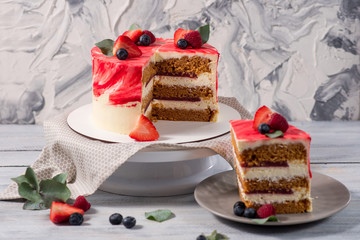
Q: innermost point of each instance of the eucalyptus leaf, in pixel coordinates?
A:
(216, 236)
(39, 205)
(20, 179)
(204, 33)
(31, 177)
(158, 215)
(54, 190)
(61, 178)
(264, 220)
(134, 26)
(106, 47)
(275, 134)
(28, 192)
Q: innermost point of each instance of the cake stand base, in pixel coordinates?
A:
(164, 173)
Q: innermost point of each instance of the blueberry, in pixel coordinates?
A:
(264, 128)
(145, 40)
(250, 213)
(239, 208)
(122, 54)
(116, 219)
(201, 237)
(129, 222)
(182, 43)
(76, 219)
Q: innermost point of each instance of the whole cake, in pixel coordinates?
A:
(272, 163)
(167, 81)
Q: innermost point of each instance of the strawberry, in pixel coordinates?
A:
(144, 130)
(180, 34)
(60, 212)
(134, 35)
(194, 39)
(265, 211)
(278, 122)
(126, 43)
(262, 115)
(82, 203)
(150, 34)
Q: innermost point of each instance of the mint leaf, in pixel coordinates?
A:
(106, 47)
(52, 189)
(61, 178)
(204, 33)
(217, 236)
(158, 215)
(39, 205)
(134, 26)
(31, 177)
(28, 192)
(275, 134)
(264, 220)
(20, 179)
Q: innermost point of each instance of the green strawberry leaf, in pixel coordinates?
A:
(264, 220)
(158, 215)
(39, 205)
(52, 189)
(275, 134)
(61, 178)
(106, 47)
(216, 236)
(134, 26)
(28, 192)
(204, 33)
(31, 177)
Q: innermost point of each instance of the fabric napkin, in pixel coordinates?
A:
(90, 162)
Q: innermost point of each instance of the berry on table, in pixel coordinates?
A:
(264, 128)
(116, 219)
(239, 208)
(250, 213)
(182, 43)
(145, 40)
(122, 54)
(76, 219)
(82, 203)
(60, 212)
(201, 237)
(129, 222)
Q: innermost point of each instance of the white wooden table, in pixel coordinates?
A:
(335, 151)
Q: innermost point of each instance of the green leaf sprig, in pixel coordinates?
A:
(264, 220)
(204, 33)
(39, 196)
(216, 236)
(158, 215)
(275, 134)
(106, 46)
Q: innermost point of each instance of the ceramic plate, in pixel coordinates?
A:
(80, 120)
(218, 194)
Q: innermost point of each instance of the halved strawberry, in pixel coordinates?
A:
(60, 212)
(82, 203)
(150, 34)
(128, 44)
(278, 122)
(262, 115)
(144, 130)
(180, 34)
(134, 35)
(194, 39)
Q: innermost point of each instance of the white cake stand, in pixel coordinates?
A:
(156, 171)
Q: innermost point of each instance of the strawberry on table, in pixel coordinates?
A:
(144, 130)
(60, 212)
(127, 44)
(134, 35)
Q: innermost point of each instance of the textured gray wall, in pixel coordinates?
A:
(300, 57)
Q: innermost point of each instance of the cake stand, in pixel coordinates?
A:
(156, 171)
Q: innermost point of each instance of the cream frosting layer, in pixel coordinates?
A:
(204, 79)
(187, 105)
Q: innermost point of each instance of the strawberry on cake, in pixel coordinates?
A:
(272, 162)
(162, 79)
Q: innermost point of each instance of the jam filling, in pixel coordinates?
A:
(267, 164)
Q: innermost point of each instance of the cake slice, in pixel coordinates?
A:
(272, 171)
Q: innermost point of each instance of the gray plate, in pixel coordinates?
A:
(219, 192)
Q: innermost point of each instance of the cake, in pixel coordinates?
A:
(272, 170)
(164, 83)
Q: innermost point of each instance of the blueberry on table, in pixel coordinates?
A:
(76, 219)
(129, 222)
(201, 237)
(145, 40)
(122, 54)
(264, 128)
(116, 219)
(182, 43)
(250, 213)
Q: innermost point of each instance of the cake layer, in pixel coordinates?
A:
(184, 66)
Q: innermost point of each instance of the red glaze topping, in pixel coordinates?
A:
(122, 79)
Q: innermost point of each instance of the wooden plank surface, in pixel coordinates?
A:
(335, 151)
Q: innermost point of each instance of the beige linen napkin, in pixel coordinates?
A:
(90, 162)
